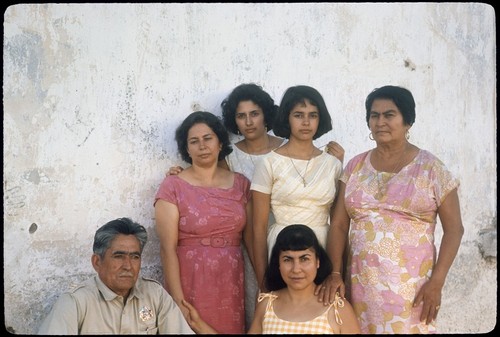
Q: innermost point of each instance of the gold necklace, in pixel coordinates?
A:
(382, 186)
(251, 154)
(303, 177)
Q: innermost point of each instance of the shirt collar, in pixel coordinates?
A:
(110, 295)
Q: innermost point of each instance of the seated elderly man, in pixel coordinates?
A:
(117, 300)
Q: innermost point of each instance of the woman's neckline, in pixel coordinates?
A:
(368, 159)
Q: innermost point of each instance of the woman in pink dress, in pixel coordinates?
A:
(202, 215)
(386, 214)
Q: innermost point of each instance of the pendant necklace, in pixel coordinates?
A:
(303, 177)
(382, 185)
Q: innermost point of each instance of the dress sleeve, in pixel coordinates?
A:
(443, 181)
(262, 180)
(166, 191)
(351, 166)
(245, 185)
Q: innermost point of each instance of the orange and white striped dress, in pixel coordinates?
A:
(272, 324)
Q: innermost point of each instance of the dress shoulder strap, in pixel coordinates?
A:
(271, 296)
(337, 303)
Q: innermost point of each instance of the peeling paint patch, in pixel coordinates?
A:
(36, 176)
(26, 53)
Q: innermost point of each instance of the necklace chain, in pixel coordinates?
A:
(303, 177)
(381, 186)
(254, 154)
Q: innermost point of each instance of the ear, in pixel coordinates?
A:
(96, 262)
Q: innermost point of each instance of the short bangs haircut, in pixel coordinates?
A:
(295, 237)
(298, 95)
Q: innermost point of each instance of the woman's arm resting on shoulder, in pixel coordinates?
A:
(174, 170)
(335, 247)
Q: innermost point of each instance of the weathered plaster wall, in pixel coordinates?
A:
(93, 93)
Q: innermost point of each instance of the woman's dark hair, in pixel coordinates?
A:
(248, 92)
(295, 237)
(108, 232)
(294, 96)
(213, 122)
(402, 97)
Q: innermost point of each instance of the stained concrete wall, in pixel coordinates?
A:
(93, 93)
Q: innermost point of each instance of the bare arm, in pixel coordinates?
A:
(430, 293)
(261, 208)
(335, 247)
(167, 228)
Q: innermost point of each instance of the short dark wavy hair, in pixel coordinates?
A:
(295, 237)
(293, 96)
(248, 92)
(402, 97)
(213, 122)
(109, 231)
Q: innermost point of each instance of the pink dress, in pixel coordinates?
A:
(210, 256)
(392, 251)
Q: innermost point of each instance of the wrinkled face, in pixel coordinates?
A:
(304, 120)
(386, 121)
(298, 268)
(120, 267)
(203, 145)
(250, 120)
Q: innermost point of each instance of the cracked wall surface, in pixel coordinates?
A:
(94, 92)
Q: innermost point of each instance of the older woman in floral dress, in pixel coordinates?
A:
(386, 214)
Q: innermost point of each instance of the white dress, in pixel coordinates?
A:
(291, 201)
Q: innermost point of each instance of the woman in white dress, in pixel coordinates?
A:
(297, 182)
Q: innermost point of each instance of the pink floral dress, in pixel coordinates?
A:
(210, 256)
(392, 251)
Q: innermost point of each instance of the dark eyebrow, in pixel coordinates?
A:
(383, 112)
(122, 252)
(301, 256)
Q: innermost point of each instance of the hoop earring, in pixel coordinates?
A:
(371, 136)
(407, 134)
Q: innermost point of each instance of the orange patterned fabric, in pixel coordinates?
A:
(272, 324)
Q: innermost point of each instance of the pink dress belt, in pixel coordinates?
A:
(214, 241)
